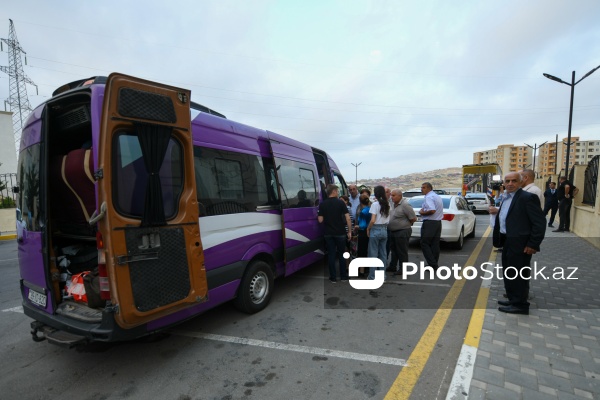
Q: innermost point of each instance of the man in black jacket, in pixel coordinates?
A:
(519, 229)
(551, 202)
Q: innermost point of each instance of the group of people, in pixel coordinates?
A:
(382, 227)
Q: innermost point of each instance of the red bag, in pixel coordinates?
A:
(77, 288)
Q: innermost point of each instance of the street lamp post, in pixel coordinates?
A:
(356, 167)
(535, 147)
(572, 84)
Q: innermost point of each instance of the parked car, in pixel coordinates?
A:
(458, 222)
(479, 201)
(417, 192)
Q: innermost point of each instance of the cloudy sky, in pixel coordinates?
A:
(399, 86)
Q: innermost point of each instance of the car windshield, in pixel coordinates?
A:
(418, 203)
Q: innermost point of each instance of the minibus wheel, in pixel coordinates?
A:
(256, 288)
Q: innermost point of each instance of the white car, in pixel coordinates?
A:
(479, 201)
(458, 222)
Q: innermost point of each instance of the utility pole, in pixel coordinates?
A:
(356, 166)
(535, 147)
(18, 100)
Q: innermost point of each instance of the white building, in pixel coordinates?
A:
(8, 157)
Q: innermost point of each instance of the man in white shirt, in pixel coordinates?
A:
(431, 228)
(528, 185)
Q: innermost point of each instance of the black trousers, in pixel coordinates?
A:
(513, 266)
(551, 207)
(399, 246)
(430, 241)
(564, 213)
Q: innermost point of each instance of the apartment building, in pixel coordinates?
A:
(581, 152)
(508, 156)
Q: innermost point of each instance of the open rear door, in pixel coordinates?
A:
(147, 188)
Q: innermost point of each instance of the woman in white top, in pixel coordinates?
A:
(377, 229)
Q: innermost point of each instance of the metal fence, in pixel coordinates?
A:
(590, 182)
(8, 199)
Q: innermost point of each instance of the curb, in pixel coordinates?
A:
(8, 237)
(463, 372)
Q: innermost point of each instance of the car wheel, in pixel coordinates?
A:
(458, 245)
(472, 234)
(255, 289)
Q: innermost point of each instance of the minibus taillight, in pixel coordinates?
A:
(102, 272)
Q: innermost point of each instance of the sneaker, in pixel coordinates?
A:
(498, 249)
(332, 281)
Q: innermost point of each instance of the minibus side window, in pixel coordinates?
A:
(297, 184)
(341, 184)
(228, 182)
(29, 184)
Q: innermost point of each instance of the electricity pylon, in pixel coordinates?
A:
(18, 100)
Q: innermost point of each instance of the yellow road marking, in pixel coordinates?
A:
(408, 377)
(476, 324)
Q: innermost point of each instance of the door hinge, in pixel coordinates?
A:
(99, 174)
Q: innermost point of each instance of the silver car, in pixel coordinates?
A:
(458, 222)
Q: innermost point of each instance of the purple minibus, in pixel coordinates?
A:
(141, 209)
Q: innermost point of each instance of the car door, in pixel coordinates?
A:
(147, 191)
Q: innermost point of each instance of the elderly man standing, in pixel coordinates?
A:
(528, 184)
(520, 228)
(354, 200)
(431, 229)
(402, 217)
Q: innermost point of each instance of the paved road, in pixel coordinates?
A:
(315, 340)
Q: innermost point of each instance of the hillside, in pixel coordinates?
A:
(439, 178)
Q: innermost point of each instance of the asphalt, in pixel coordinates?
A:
(552, 353)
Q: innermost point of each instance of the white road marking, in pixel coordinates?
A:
(388, 281)
(18, 309)
(463, 373)
(296, 348)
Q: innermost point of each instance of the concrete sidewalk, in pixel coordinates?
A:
(552, 353)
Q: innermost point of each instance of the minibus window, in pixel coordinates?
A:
(297, 183)
(228, 182)
(131, 176)
(29, 184)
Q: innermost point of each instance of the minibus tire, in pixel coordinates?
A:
(256, 288)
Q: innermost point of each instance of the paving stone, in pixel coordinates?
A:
(555, 382)
(488, 376)
(521, 379)
(584, 394)
(476, 394)
(513, 387)
(478, 384)
(495, 392)
(529, 394)
(505, 362)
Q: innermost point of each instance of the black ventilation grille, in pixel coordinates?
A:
(75, 118)
(165, 280)
(138, 104)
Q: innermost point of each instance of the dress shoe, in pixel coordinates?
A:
(550, 226)
(558, 230)
(514, 310)
(504, 302)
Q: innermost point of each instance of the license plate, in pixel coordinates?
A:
(37, 298)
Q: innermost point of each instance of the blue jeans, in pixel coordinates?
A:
(377, 244)
(336, 246)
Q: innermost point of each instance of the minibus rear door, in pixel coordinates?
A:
(147, 192)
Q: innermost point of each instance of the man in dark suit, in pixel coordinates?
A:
(551, 202)
(519, 229)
